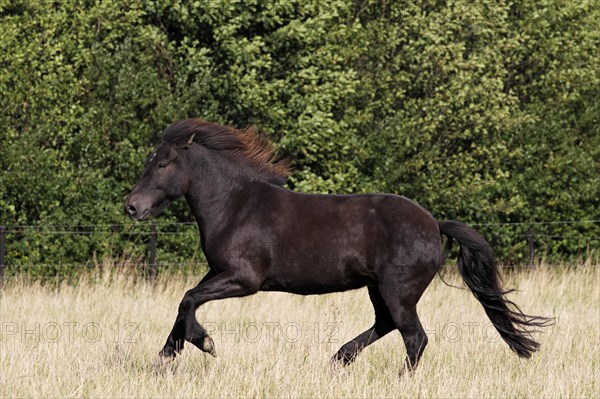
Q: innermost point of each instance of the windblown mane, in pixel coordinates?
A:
(247, 145)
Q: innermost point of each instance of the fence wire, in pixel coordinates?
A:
(157, 229)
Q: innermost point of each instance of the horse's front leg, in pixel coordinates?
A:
(186, 327)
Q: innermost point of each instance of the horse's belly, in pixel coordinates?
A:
(318, 280)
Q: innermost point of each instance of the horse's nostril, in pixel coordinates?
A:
(131, 209)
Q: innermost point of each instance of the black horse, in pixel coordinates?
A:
(259, 236)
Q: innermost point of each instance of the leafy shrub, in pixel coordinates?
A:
(485, 112)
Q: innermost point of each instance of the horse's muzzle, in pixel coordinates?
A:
(136, 210)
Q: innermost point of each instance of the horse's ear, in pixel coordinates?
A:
(190, 141)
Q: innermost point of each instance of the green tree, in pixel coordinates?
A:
(485, 111)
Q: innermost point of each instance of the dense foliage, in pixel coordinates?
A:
(486, 112)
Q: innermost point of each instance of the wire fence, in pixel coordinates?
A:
(151, 233)
(145, 237)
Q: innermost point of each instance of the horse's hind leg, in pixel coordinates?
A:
(383, 325)
(401, 300)
(413, 334)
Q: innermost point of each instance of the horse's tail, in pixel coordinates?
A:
(481, 274)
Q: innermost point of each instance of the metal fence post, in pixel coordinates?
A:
(2, 252)
(152, 263)
(531, 243)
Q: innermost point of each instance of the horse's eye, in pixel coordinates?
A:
(161, 166)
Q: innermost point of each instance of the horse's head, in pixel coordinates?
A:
(219, 153)
(165, 178)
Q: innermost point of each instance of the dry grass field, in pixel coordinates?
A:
(100, 337)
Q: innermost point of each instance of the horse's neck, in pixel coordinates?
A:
(207, 198)
(212, 196)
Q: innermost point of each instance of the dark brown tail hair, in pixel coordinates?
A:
(481, 274)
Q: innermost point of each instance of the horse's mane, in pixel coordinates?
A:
(246, 145)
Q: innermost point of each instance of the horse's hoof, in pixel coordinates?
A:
(208, 346)
(163, 360)
(341, 360)
(406, 372)
(335, 365)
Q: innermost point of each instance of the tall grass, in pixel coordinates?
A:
(100, 336)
